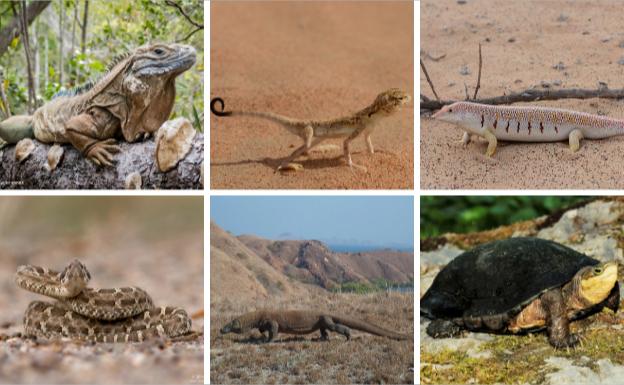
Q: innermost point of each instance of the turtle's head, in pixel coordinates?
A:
(75, 277)
(596, 282)
(162, 60)
(392, 100)
(232, 327)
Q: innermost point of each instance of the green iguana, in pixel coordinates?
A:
(135, 96)
(303, 322)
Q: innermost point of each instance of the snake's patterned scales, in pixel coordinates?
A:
(124, 314)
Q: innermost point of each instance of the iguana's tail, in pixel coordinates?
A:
(17, 128)
(369, 328)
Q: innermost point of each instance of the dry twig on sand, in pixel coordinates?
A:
(528, 95)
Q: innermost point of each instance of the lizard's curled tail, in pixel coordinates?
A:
(222, 112)
(17, 128)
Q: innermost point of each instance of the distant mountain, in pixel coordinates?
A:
(312, 261)
(238, 275)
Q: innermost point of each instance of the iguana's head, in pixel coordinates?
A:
(162, 60)
(391, 101)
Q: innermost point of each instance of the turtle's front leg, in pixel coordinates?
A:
(558, 325)
(83, 133)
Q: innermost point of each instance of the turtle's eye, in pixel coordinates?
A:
(158, 51)
(597, 270)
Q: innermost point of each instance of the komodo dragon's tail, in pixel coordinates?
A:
(369, 328)
(16, 128)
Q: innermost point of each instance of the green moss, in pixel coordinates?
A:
(519, 359)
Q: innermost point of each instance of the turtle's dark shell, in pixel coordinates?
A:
(500, 278)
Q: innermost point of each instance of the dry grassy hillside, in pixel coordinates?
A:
(312, 261)
(241, 281)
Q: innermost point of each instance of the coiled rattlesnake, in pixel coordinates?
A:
(124, 314)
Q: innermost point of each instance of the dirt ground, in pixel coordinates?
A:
(565, 44)
(123, 241)
(365, 359)
(309, 60)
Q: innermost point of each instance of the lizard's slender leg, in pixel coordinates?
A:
(369, 142)
(299, 151)
(575, 139)
(347, 149)
(491, 142)
(465, 138)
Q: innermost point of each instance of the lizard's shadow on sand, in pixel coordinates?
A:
(306, 162)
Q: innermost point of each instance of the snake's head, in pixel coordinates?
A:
(75, 277)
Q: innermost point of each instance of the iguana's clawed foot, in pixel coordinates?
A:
(102, 152)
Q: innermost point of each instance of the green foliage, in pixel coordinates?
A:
(462, 214)
(114, 27)
(377, 284)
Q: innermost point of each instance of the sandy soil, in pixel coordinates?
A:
(520, 52)
(123, 241)
(309, 60)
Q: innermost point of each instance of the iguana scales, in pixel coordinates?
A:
(135, 96)
(303, 322)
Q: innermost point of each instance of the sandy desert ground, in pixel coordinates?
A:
(309, 60)
(554, 45)
(123, 241)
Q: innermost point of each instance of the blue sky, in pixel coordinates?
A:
(364, 221)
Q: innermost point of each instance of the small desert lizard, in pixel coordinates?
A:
(527, 124)
(314, 132)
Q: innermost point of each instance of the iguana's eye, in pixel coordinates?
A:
(158, 51)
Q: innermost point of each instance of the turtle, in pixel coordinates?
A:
(518, 286)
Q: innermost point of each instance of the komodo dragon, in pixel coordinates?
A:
(134, 97)
(303, 322)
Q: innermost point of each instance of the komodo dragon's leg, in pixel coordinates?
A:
(83, 133)
(491, 138)
(269, 326)
(575, 139)
(328, 323)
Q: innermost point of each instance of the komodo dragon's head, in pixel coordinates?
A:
(234, 326)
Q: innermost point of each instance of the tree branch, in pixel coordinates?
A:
(479, 77)
(76, 172)
(531, 95)
(422, 65)
(13, 30)
(172, 3)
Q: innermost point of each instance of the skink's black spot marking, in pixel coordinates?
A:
(482, 120)
(507, 128)
(556, 130)
(495, 122)
(518, 128)
(529, 125)
(541, 128)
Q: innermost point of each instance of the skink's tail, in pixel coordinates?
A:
(222, 112)
(16, 128)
